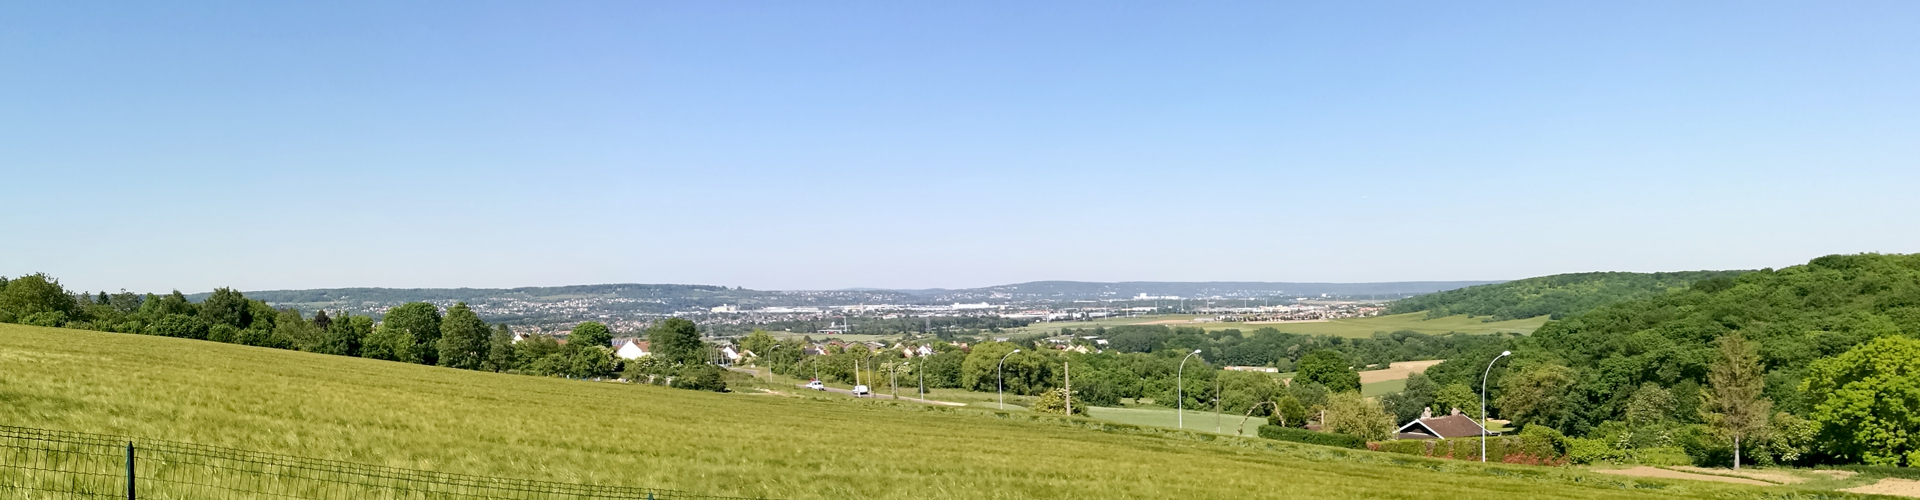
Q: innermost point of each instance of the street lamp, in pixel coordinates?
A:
(1483, 403)
(893, 380)
(1000, 378)
(1180, 390)
(769, 357)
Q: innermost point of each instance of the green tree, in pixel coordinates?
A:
(590, 333)
(344, 335)
(1240, 391)
(422, 321)
(35, 294)
(1022, 373)
(179, 325)
(391, 343)
(1537, 395)
(1409, 403)
(759, 342)
(1329, 368)
(1867, 402)
(1355, 415)
(321, 320)
(227, 307)
(1288, 412)
(295, 330)
(676, 341)
(701, 377)
(1735, 406)
(500, 352)
(463, 338)
(590, 362)
(1650, 405)
(1055, 402)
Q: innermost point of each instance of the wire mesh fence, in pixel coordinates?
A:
(47, 464)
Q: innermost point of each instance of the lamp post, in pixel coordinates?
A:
(1483, 403)
(769, 357)
(1000, 378)
(1180, 390)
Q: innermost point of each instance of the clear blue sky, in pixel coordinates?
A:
(266, 145)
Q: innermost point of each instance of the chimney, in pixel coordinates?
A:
(1456, 411)
(1426, 413)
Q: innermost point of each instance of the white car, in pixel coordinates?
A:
(816, 385)
(861, 390)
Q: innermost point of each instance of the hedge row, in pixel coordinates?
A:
(1276, 432)
(1532, 449)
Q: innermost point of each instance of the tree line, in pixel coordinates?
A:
(415, 332)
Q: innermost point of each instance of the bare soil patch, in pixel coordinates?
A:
(1396, 371)
(1836, 474)
(1772, 477)
(1645, 471)
(1889, 486)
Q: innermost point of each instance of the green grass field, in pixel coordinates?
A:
(748, 443)
(1383, 388)
(1351, 327)
(1200, 420)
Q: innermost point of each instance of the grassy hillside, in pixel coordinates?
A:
(1557, 296)
(753, 445)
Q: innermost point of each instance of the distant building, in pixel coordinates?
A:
(1450, 426)
(1267, 369)
(631, 349)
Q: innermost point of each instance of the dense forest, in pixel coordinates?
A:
(1269, 347)
(1558, 296)
(1816, 363)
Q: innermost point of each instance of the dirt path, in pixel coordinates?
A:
(1771, 477)
(1889, 486)
(1645, 471)
(1396, 371)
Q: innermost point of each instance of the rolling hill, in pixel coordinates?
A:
(1557, 296)
(424, 417)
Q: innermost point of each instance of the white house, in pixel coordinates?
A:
(631, 349)
(732, 355)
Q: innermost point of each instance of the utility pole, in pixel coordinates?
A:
(1216, 405)
(1067, 371)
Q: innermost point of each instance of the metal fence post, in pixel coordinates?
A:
(130, 470)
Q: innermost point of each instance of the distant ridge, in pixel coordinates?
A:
(1032, 290)
(1081, 290)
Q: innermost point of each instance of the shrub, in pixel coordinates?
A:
(701, 378)
(48, 318)
(222, 332)
(1310, 437)
(1594, 451)
(1055, 402)
(1415, 447)
(1542, 442)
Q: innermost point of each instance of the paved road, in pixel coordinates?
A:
(849, 392)
(886, 396)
